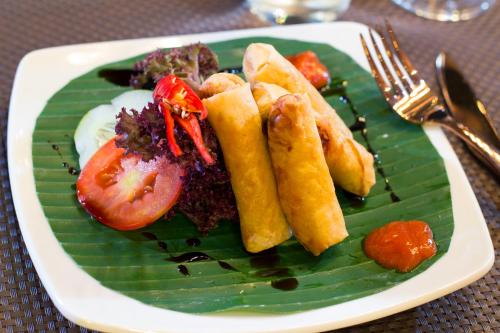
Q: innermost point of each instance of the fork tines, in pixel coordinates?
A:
(397, 77)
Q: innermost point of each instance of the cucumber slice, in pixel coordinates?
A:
(135, 99)
(96, 128)
(98, 125)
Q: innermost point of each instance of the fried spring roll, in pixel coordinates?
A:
(350, 164)
(235, 118)
(220, 82)
(306, 190)
(265, 94)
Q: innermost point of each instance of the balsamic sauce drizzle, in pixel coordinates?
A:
(232, 70)
(266, 259)
(193, 242)
(356, 201)
(199, 256)
(271, 272)
(226, 266)
(285, 284)
(161, 244)
(56, 148)
(149, 235)
(120, 77)
(183, 270)
(359, 125)
(71, 170)
(267, 262)
(339, 88)
(190, 257)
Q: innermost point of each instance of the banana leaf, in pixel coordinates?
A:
(134, 263)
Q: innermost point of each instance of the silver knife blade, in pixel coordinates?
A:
(462, 102)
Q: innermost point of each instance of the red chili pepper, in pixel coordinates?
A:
(311, 67)
(192, 127)
(179, 102)
(169, 124)
(179, 94)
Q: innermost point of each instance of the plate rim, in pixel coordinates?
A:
(21, 172)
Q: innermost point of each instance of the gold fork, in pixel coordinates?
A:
(411, 97)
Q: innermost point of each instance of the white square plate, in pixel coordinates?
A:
(83, 300)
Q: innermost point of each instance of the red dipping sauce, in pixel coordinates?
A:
(311, 67)
(402, 245)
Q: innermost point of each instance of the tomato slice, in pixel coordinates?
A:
(124, 192)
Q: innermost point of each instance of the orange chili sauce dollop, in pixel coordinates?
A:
(311, 67)
(402, 245)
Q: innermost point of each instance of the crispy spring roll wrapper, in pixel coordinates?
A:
(306, 190)
(219, 82)
(350, 164)
(265, 94)
(235, 118)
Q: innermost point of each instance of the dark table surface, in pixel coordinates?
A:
(27, 25)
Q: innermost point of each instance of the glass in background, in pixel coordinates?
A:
(446, 10)
(298, 11)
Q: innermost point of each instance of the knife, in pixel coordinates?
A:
(465, 107)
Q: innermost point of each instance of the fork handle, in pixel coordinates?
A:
(487, 153)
